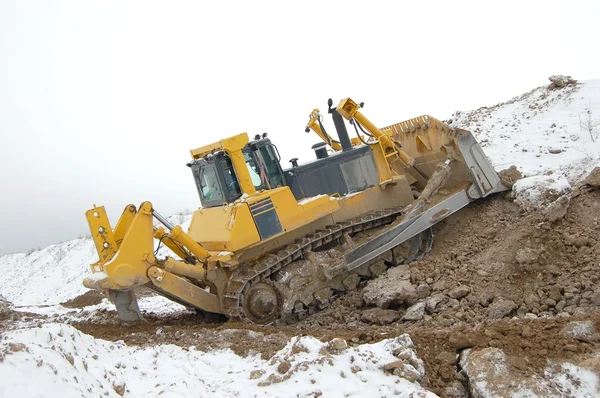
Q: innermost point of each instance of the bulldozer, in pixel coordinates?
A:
(273, 244)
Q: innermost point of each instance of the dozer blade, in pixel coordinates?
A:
(405, 230)
(127, 306)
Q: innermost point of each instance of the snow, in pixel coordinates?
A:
(311, 199)
(531, 191)
(48, 276)
(540, 131)
(65, 362)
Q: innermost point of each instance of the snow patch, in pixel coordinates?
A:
(533, 192)
(65, 362)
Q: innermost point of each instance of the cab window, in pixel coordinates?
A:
(209, 188)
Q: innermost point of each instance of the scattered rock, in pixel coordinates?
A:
(337, 344)
(256, 374)
(283, 367)
(423, 290)
(4, 307)
(557, 209)
(459, 292)
(460, 340)
(490, 374)
(510, 176)
(393, 365)
(447, 357)
(593, 179)
(391, 290)
(120, 388)
(432, 303)
(456, 390)
(560, 81)
(582, 331)
(415, 312)
(526, 256)
(501, 308)
(380, 316)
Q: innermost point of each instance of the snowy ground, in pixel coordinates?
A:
(543, 131)
(540, 132)
(65, 362)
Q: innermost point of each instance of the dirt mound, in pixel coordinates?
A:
(91, 297)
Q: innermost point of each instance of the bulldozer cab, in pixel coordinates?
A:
(217, 179)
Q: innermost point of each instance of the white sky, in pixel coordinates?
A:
(100, 101)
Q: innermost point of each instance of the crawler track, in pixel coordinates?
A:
(270, 280)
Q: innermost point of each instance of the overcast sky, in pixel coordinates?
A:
(101, 101)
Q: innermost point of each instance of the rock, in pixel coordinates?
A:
(351, 282)
(526, 256)
(408, 373)
(582, 331)
(510, 176)
(555, 293)
(557, 209)
(439, 285)
(380, 316)
(423, 290)
(434, 301)
(491, 373)
(391, 290)
(532, 299)
(596, 297)
(393, 365)
(560, 81)
(4, 307)
(460, 340)
(283, 367)
(501, 308)
(377, 268)
(256, 374)
(120, 388)
(575, 240)
(447, 357)
(459, 292)
(593, 179)
(415, 312)
(455, 389)
(337, 344)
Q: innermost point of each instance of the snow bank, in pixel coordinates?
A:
(54, 274)
(541, 130)
(533, 192)
(48, 276)
(65, 362)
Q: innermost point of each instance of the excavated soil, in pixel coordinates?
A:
(496, 277)
(91, 297)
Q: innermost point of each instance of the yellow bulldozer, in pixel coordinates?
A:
(272, 244)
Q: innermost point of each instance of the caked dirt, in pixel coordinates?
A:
(497, 276)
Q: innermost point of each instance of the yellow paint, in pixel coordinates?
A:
(227, 228)
(313, 124)
(233, 146)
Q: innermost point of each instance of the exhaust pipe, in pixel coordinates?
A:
(340, 127)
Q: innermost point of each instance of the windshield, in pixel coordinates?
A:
(257, 173)
(209, 183)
